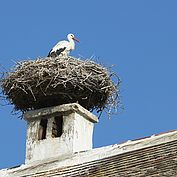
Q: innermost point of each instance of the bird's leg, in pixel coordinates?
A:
(64, 54)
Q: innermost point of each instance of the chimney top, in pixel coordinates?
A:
(64, 109)
(58, 131)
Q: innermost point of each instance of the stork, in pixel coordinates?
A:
(63, 48)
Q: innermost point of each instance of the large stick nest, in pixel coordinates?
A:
(49, 82)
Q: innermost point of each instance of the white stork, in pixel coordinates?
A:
(63, 48)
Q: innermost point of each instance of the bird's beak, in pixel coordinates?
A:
(76, 39)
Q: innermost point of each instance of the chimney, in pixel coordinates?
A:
(58, 131)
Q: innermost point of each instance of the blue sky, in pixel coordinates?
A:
(138, 37)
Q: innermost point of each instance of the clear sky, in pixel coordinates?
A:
(138, 37)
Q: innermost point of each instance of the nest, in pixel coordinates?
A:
(49, 82)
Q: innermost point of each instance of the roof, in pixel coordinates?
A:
(151, 156)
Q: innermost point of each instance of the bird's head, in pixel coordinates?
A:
(71, 36)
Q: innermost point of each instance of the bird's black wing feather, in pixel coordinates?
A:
(57, 53)
(60, 50)
(49, 53)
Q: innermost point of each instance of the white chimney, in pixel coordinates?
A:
(58, 131)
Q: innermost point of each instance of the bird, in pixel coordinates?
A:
(63, 48)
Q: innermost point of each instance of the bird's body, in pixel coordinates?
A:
(63, 48)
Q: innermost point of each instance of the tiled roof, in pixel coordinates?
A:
(155, 156)
(159, 160)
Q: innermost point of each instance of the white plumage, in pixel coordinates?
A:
(63, 48)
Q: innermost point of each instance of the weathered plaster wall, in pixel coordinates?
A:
(77, 133)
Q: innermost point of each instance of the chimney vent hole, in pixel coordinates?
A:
(42, 129)
(57, 127)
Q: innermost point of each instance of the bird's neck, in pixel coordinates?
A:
(72, 43)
